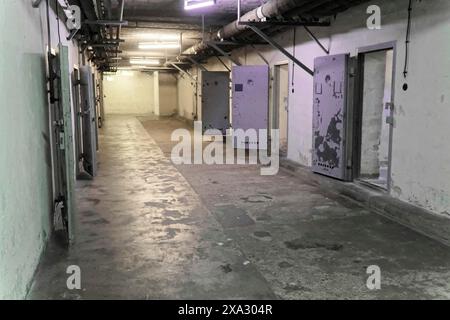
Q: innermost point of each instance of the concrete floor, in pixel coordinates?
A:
(150, 230)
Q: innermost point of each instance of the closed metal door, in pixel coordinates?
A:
(251, 102)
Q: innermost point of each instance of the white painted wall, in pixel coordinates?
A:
(185, 90)
(168, 99)
(26, 198)
(129, 92)
(420, 170)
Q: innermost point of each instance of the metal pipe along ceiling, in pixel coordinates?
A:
(271, 9)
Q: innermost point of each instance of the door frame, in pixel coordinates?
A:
(358, 108)
(274, 119)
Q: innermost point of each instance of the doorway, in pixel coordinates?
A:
(281, 105)
(375, 116)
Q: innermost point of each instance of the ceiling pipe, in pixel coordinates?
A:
(271, 9)
(122, 8)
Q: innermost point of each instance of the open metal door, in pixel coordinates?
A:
(63, 154)
(250, 102)
(69, 154)
(78, 124)
(216, 100)
(96, 109)
(89, 121)
(330, 117)
(101, 114)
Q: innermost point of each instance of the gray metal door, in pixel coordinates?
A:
(251, 101)
(63, 160)
(216, 100)
(96, 110)
(77, 115)
(89, 121)
(330, 115)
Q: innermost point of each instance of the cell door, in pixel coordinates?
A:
(101, 116)
(215, 100)
(78, 124)
(250, 103)
(96, 110)
(62, 143)
(281, 105)
(330, 116)
(89, 121)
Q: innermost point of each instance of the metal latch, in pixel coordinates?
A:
(61, 141)
(390, 120)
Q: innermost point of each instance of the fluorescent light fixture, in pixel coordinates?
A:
(159, 36)
(126, 72)
(197, 4)
(145, 62)
(150, 54)
(156, 45)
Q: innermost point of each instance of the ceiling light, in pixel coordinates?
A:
(152, 46)
(159, 36)
(146, 62)
(197, 4)
(125, 72)
(150, 54)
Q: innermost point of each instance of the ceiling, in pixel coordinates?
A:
(148, 19)
(222, 12)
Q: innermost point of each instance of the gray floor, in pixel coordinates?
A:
(150, 230)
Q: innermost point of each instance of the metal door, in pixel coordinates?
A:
(63, 160)
(78, 124)
(330, 116)
(281, 105)
(250, 102)
(89, 121)
(101, 117)
(215, 100)
(96, 109)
